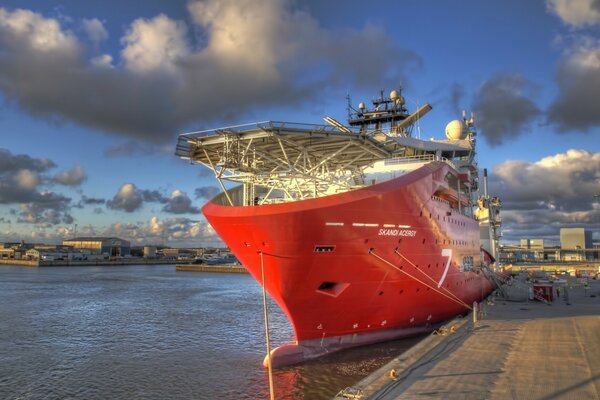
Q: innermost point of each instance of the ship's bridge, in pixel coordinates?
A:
(281, 161)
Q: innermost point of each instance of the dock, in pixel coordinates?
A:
(515, 350)
(224, 268)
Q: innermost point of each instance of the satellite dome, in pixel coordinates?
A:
(394, 94)
(456, 130)
(361, 106)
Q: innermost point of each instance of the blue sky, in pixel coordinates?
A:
(93, 94)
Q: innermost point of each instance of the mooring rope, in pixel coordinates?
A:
(266, 316)
(428, 277)
(462, 303)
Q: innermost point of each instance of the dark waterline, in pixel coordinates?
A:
(148, 332)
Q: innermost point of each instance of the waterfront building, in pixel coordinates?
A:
(111, 246)
(536, 244)
(575, 244)
(13, 251)
(171, 253)
(7, 253)
(47, 254)
(149, 252)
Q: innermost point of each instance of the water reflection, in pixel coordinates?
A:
(149, 332)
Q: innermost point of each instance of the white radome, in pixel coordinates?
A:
(456, 130)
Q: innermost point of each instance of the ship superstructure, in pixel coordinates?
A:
(364, 232)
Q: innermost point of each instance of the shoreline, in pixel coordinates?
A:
(224, 268)
(81, 263)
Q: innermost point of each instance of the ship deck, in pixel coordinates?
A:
(518, 351)
(300, 161)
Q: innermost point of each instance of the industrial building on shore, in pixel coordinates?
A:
(112, 246)
(102, 249)
(576, 245)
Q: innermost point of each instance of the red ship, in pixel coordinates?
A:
(364, 233)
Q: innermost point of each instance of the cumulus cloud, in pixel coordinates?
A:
(541, 197)
(102, 61)
(48, 208)
(95, 30)
(577, 13)
(156, 44)
(246, 55)
(175, 231)
(35, 32)
(180, 229)
(21, 177)
(130, 198)
(27, 179)
(576, 105)
(503, 108)
(73, 177)
(154, 196)
(10, 163)
(180, 203)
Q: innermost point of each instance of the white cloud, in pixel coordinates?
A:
(577, 13)
(176, 231)
(73, 177)
(571, 175)
(21, 178)
(257, 34)
(128, 198)
(156, 44)
(247, 55)
(180, 203)
(41, 33)
(95, 30)
(102, 61)
(543, 196)
(154, 226)
(27, 179)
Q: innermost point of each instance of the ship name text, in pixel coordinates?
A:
(397, 232)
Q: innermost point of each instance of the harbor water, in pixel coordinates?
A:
(149, 332)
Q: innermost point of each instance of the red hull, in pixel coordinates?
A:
(363, 266)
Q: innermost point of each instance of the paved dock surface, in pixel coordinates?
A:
(526, 350)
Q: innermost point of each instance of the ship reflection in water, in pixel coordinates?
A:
(148, 332)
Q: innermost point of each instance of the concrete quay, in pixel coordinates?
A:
(517, 350)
